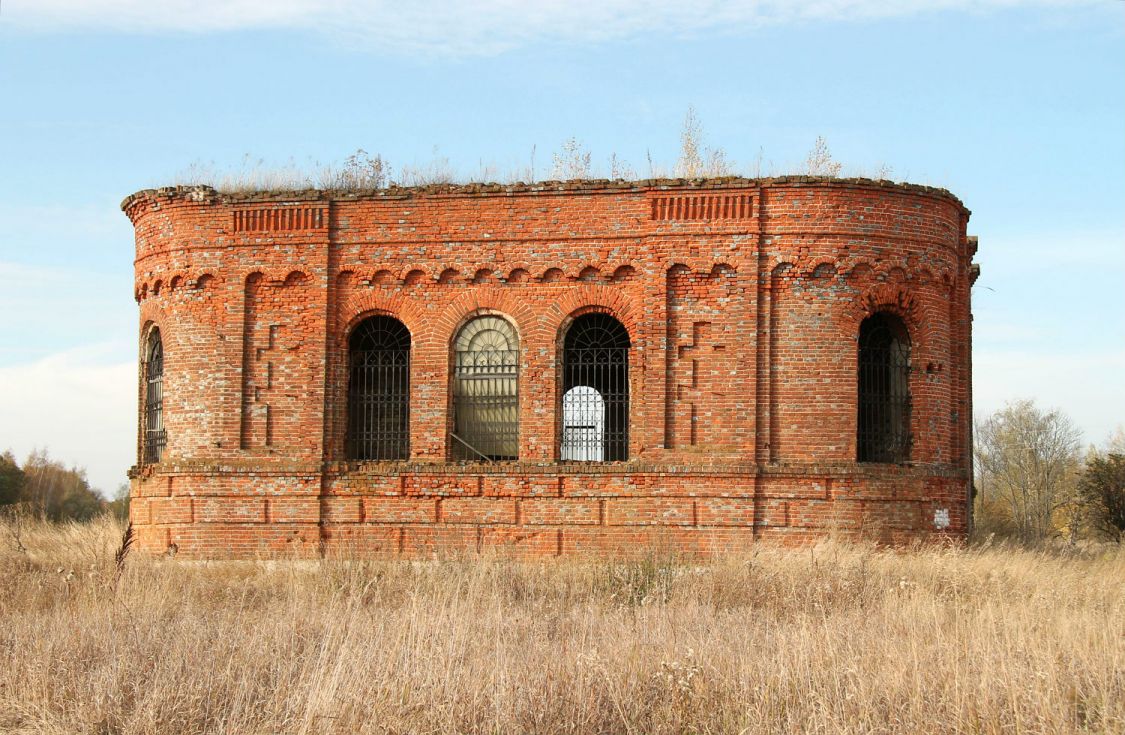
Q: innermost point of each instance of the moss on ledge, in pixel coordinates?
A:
(208, 194)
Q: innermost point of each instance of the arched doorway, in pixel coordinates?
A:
(155, 438)
(883, 387)
(379, 390)
(486, 391)
(595, 399)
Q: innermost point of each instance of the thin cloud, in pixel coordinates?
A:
(1087, 385)
(452, 27)
(44, 307)
(80, 404)
(51, 222)
(1029, 252)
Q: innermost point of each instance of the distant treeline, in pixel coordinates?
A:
(1034, 482)
(49, 489)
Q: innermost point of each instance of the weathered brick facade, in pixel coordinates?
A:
(743, 301)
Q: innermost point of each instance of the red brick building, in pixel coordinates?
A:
(551, 368)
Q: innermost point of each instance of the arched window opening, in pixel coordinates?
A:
(883, 427)
(379, 390)
(486, 391)
(155, 438)
(595, 399)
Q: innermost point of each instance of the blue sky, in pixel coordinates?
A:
(1018, 108)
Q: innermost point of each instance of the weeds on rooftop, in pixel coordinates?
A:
(571, 161)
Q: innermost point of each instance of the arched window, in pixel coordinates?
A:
(883, 426)
(155, 438)
(379, 390)
(486, 390)
(595, 398)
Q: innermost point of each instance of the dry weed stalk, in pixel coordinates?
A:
(15, 517)
(831, 639)
(820, 162)
(122, 552)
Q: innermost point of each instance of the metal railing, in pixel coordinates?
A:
(155, 438)
(883, 422)
(595, 400)
(379, 405)
(379, 390)
(485, 404)
(595, 404)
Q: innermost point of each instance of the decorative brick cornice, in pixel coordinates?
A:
(202, 193)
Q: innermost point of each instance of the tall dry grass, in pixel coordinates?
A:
(830, 639)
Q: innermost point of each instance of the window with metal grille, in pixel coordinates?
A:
(155, 438)
(595, 398)
(486, 391)
(379, 390)
(883, 427)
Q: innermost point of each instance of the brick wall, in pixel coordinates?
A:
(742, 299)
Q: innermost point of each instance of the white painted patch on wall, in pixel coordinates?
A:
(941, 518)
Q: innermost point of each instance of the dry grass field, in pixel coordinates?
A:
(831, 639)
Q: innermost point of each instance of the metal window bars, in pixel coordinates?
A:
(155, 438)
(883, 422)
(379, 390)
(595, 399)
(486, 391)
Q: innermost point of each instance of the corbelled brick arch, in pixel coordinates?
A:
(150, 328)
(488, 299)
(359, 306)
(742, 300)
(925, 325)
(355, 304)
(894, 298)
(491, 300)
(153, 317)
(599, 300)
